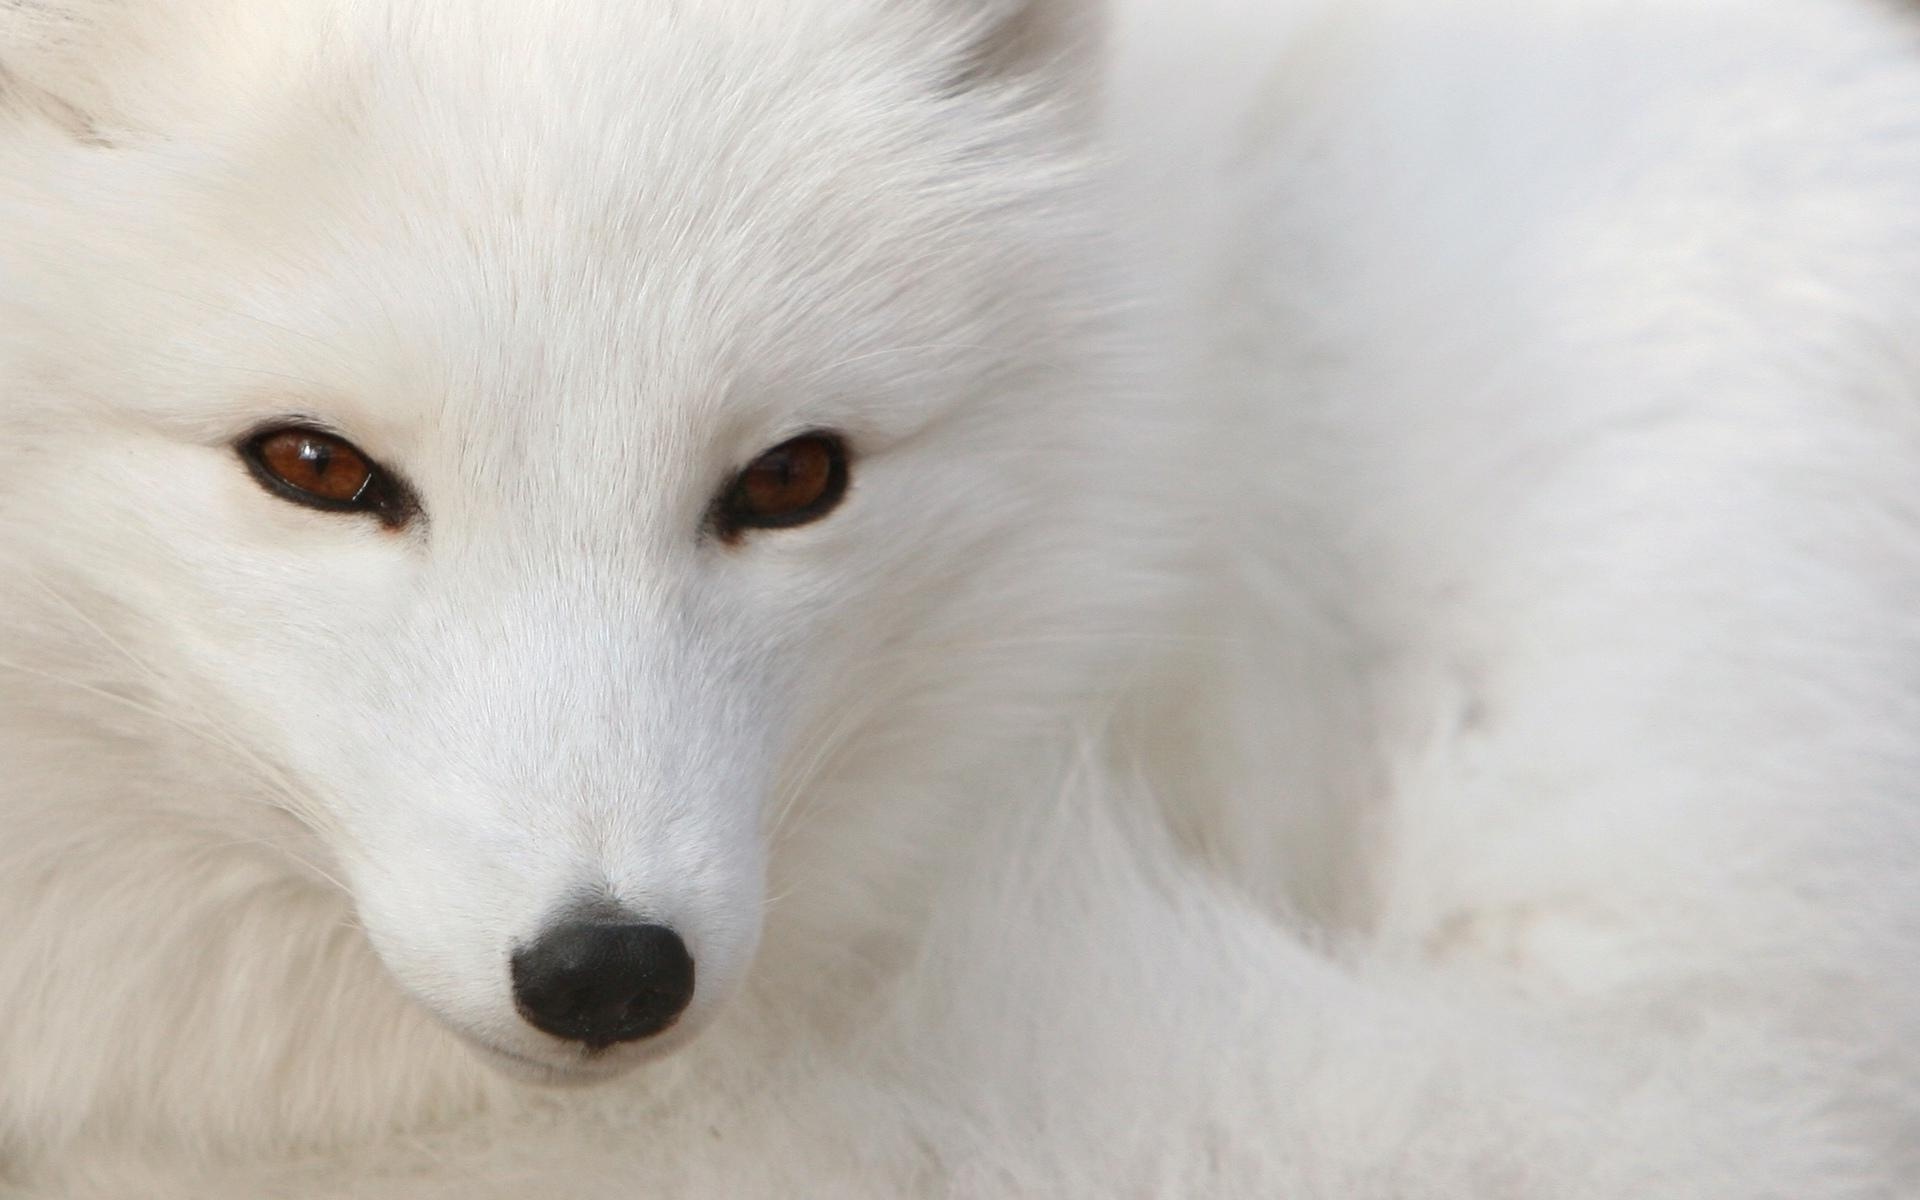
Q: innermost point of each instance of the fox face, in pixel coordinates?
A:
(543, 441)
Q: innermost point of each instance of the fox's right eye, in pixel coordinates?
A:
(321, 470)
(795, 483)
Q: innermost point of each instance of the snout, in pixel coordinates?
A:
(602, 981)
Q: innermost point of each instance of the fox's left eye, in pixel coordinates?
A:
(320, 470)
(796, 482)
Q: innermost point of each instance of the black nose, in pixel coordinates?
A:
(601, 982)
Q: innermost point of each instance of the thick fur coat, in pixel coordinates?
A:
(1371, 649)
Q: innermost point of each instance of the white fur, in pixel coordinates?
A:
(1370, 653)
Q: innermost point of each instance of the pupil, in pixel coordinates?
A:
(317, 455)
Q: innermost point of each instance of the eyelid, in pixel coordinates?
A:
(397, 507)
(299, 423)
(732, 521)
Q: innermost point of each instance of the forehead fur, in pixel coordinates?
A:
(711, 188)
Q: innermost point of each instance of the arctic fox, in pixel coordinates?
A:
(971, 598)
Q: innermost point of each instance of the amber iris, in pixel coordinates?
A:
(794, 483)
(322, 470)
(324, 467)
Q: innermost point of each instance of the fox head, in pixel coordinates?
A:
(544, 454)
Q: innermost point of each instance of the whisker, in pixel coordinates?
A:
(297, 803)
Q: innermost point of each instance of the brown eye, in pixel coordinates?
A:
(793, 483)
(323, 471)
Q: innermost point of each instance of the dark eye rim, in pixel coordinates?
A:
(384, 496)
(732, 521)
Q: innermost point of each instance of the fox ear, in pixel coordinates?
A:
(1056, 41)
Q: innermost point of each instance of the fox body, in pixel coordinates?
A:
(1366, 650)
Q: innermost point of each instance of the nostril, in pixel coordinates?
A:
(602, 982)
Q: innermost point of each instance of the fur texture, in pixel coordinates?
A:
(1370, 653)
